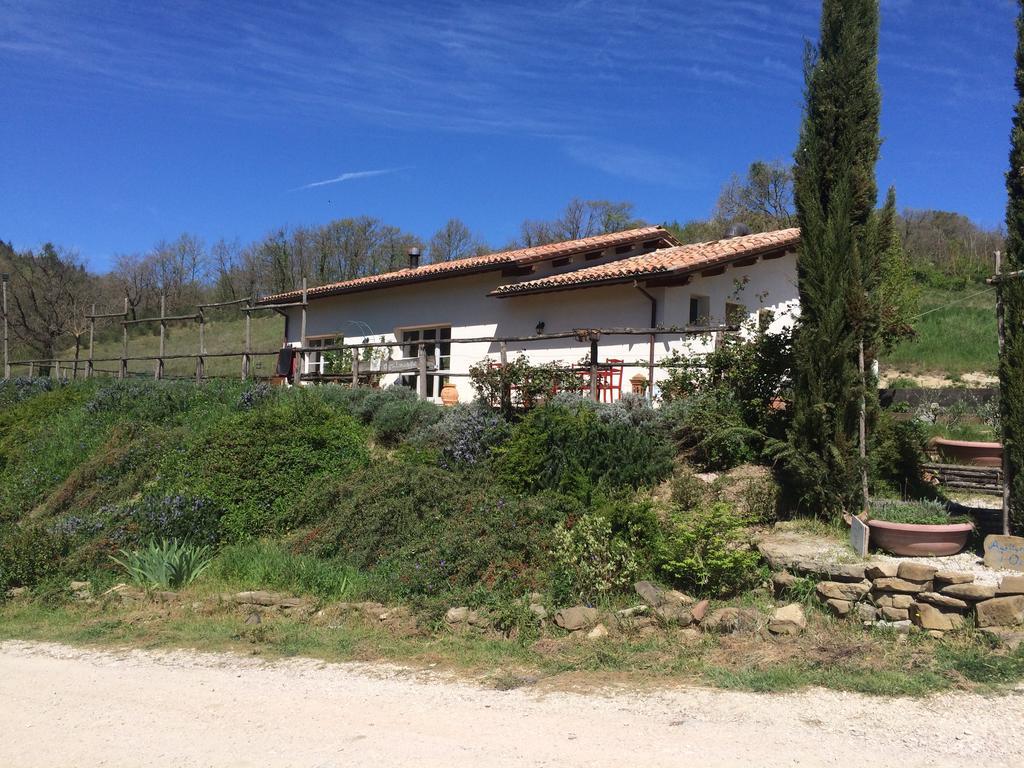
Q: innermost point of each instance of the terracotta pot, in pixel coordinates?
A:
(967, 452)
(449, 394)
(920, 540)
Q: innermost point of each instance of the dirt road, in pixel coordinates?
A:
(65, 707)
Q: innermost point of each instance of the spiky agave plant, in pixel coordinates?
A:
(166, 563)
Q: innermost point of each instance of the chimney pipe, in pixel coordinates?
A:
(414, 258)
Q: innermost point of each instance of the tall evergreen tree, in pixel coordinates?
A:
(1011, 361)
(835, 194)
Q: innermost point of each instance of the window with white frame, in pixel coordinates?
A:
(439, 354)
(320, 362)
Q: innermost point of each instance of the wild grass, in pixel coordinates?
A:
(267, 565)
(953, 338)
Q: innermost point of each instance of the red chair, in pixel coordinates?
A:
(609, 381)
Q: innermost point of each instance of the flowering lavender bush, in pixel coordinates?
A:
(74, 526)
(174, 517)
(465, 434)
(22, 388)
(253, 395)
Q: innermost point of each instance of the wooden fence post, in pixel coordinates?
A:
(201, 359)
(246, 358)
(594, 393)
(421, 354)
(31, 368)
(300, 363)
(355, 366)
(506, 384)
(89, 372)
(159, 371)
(124, 343)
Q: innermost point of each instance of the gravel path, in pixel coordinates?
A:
(62, 706)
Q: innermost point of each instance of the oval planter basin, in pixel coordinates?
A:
(920, 540)
(968, 452)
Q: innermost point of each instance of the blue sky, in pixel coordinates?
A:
(124, 123)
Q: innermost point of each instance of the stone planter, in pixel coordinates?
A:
(966, 452)
(920, 540)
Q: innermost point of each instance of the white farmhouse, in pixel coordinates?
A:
(640, 278)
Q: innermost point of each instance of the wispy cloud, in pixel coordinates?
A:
(349, 176)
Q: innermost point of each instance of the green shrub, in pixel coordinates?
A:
(29, 554)
(465, 435)
(520, 385)
(709, 427)
(371, 513)
(167, 564)
(897, 455)
(254, 465)
(591, 561)
(432, 535)
(395, 420)
(688, 490)
(268, 565)
(577, 447)
(494, 541)
(752, 491)
(707, 551)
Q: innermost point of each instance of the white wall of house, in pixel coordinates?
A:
(462, 304)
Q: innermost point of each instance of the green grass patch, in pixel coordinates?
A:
(956, 336)
(267, 565)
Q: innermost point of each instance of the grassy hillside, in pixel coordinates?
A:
(956, 336)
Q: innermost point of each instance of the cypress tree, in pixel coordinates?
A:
(836, 195)
(1011, 361)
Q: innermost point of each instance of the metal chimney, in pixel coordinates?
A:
(414, 258)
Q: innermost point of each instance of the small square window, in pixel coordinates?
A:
(700, 310)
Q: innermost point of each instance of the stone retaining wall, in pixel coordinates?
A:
(909, 594)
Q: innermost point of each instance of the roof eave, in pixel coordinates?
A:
(643, 276)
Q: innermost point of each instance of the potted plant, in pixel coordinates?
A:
(917, 528)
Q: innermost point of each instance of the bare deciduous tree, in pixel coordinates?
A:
(454, 241)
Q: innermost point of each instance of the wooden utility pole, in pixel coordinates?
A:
(863, 427)
(1001, 324)
(4, 278)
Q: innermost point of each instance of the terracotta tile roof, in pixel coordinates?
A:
(678, 260)
(487, 262)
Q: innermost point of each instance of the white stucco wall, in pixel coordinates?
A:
(463, 304)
